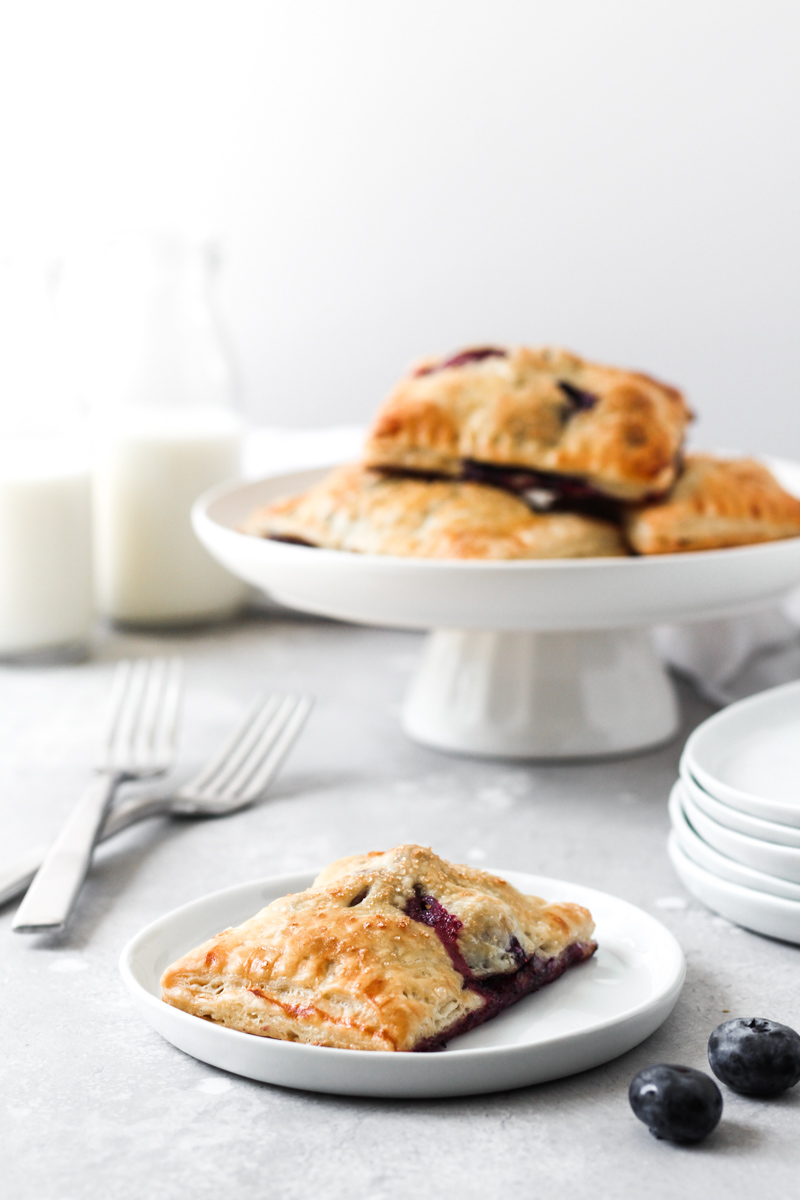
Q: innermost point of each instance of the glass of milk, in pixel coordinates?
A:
(46, 594)
(167, 428)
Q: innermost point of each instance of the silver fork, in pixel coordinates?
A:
(233, 778)
(140, 742)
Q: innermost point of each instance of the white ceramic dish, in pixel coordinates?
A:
(547, 659)
(592, 1014)
(783, 861)
(758, 911)
(748, 755)
(734, 818)
(719, 864)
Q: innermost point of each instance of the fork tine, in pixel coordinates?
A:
(236, 746)
(158, 716)
(270, 750)
(129, 684)
(140, 747)
(119, 688)
(229, 780)
(166, 745)
(276, 750)
(270, 713)
(142, 731)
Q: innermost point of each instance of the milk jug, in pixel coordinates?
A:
(167, 428)
(46, 601)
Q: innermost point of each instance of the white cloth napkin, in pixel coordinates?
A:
(732, 657)
(726, 659)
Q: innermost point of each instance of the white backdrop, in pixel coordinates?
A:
(392, 179)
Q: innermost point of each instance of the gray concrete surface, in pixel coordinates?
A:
(95, 1104)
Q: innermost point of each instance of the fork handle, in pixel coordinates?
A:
(16, 875)
(50, 898)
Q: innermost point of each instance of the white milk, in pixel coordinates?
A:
(151, 465)
(46, 597)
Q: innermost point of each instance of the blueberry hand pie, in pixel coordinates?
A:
(716, 502)
(364, 511)
(533, 419)
(386, 951)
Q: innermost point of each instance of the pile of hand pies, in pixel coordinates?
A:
(532, 453)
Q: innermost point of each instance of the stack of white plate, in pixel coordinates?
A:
(735, 813)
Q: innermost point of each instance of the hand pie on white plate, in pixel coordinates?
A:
(386, 951)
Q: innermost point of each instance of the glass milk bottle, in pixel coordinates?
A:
(46, 600)
(167, 429)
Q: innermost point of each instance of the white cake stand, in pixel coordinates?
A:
(547, 659)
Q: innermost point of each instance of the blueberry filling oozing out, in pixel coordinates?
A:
(497, 991)
(428, 911)
(519, 955)
(463, 359)
(544, 491)
(580, 400)
(526, 479)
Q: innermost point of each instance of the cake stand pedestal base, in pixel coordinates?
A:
(541, 695)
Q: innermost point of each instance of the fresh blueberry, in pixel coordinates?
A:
(676, 1103)
(755, 1056)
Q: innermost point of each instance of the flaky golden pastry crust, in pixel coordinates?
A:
(545, 409)
(364, 511)
(386, 951)
(715, 503)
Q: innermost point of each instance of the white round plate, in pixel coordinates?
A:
(719, 864)
(734, 818)
(758, 911)
(565, 594)
(748, 755)
(594, 1013)
(783, 861)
